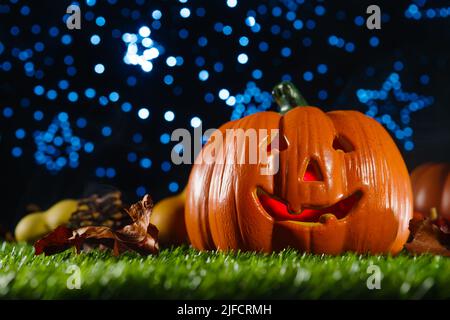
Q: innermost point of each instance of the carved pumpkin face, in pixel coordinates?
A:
(341, 186)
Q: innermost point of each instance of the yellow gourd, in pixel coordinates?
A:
(35, 225)
(168, 217)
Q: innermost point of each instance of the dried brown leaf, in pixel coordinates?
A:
(139, 236)
(427, 237)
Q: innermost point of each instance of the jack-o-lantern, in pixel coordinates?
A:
(431, 188)
(342, 185)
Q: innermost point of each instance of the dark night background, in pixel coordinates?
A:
(324, 47)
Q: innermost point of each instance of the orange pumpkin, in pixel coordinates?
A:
(342, 185)
(431, 188)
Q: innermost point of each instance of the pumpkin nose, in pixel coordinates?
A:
(313, 172)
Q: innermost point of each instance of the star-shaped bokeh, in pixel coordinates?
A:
(381, 107)
(57, 147)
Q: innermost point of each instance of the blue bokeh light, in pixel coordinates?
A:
(143, 113)
(145, 163)
(99, 68)
(126, 107)
(169, 116)
(100, 21)
(173, 187)
(185, 12)
(164, 138)
(242, 58)
(203, 75)
(95, 39)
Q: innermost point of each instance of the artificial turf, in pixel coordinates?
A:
(184, 273)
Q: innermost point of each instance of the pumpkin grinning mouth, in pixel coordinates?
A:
(278, 208)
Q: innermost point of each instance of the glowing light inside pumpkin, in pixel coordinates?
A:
(280, 211)
(312, 172)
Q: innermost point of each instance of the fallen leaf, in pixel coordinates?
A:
(58, 240)
(428, 237)
(140, 235)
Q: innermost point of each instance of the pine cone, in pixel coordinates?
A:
(108, 211)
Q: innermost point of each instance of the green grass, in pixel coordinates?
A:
(187, 273)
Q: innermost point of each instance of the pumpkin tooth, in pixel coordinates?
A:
(327, 218)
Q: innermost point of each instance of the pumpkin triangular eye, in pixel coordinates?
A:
(313, 172)
(277, 143)
(343, 144)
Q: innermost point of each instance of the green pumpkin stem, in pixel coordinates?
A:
(287, 97)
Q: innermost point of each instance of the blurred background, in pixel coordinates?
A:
(82, 110)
